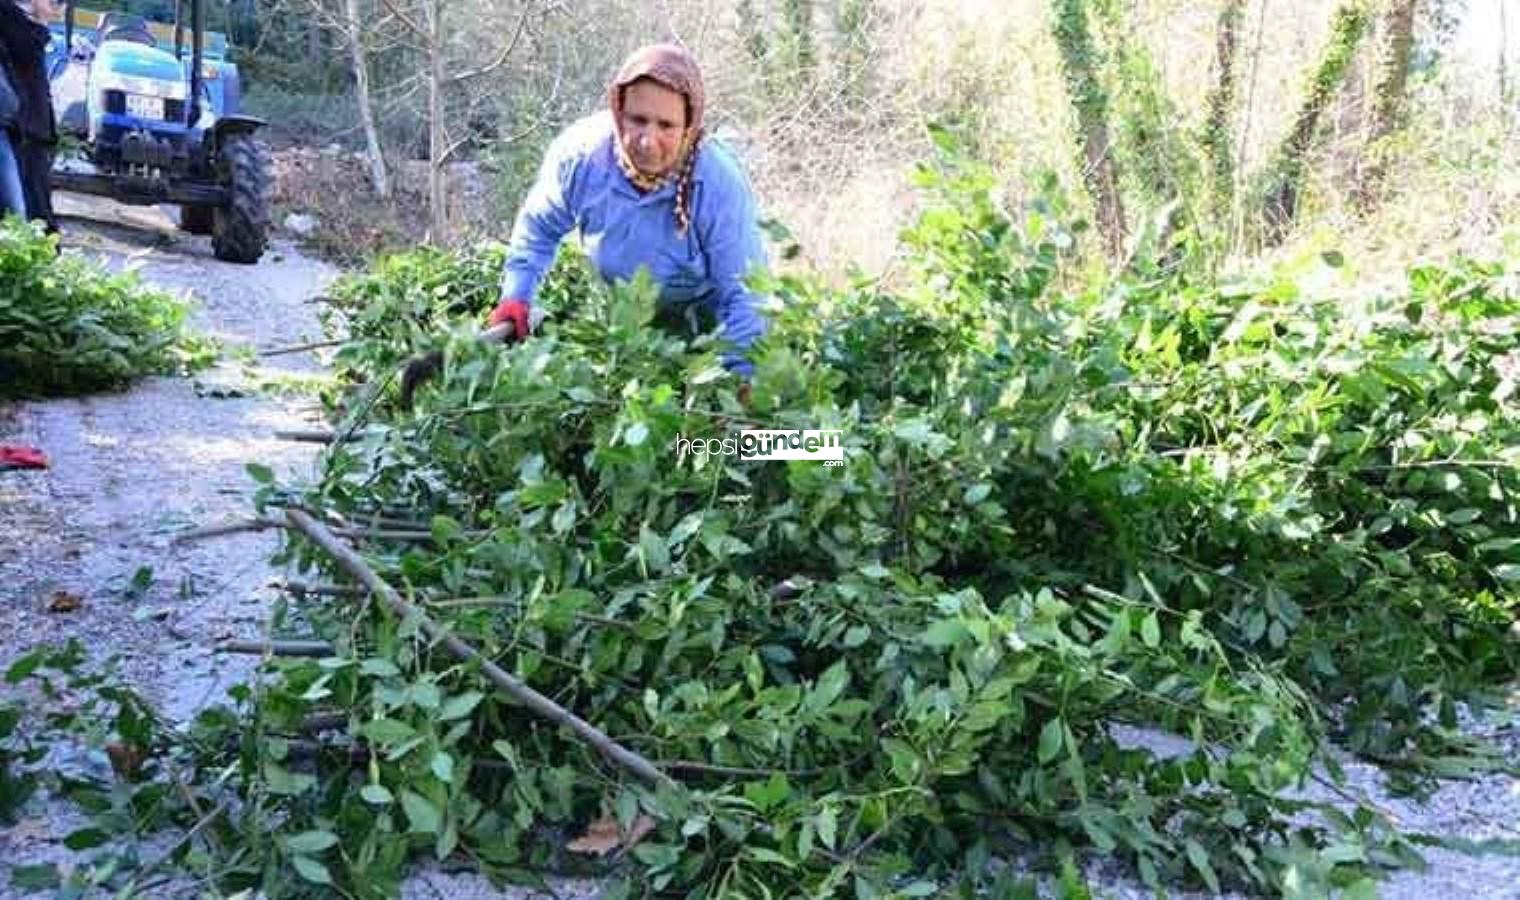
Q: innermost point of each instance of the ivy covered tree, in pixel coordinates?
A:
(1081, 62)
(1288, 168)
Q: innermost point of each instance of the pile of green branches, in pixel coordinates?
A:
(67, 327)
(1249, 514)
(1242, 513)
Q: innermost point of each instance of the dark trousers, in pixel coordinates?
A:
(36, 159)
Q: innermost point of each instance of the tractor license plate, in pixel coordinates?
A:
(145, 107)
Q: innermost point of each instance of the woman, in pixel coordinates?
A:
(24, 38)
(644, 189)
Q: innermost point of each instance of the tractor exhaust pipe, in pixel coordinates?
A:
(198, 33)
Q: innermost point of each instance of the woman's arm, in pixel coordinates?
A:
(728, 219)
(543, 220)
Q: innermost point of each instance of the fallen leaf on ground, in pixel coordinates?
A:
(126, 759)
(63, 601)
(602, 836)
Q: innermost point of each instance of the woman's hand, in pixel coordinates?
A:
(510, 312)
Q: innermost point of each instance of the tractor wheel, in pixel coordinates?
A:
(196, 219)
(240, 229)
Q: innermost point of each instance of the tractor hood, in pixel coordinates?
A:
(138, 69)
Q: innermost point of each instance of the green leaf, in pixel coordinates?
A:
(1050, 740)
(377, 794)
(37, 877)
(976, 493)
(1507, 572)
(260, 473)
(310, 841)
(830, 686)
(828, 826)
(1199, 857)
(22, 668)
(279, 780)
(944, 633)
(85, 838)
(443, 766)
(424, 816)
(636, 434)
(387, 731)
(1150, 631)
(311, 870)
(460, 706)
(379, 667)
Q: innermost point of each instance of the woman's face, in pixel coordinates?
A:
(654, 120)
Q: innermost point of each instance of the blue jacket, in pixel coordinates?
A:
(580, 186)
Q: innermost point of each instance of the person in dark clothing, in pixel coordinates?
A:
(23, 42)
(12, 195)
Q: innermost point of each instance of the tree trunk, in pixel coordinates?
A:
(437, 139)
(1388, 98)
(1217, 144)
(1506, 98)
(1100, 172)
(354, 32)
(1280, 206)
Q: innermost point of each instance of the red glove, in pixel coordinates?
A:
(514, 311)
(18, 456)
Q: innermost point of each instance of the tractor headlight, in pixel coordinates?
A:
(144, 87)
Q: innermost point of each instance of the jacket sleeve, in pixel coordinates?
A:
(543, 220)
(728, 219)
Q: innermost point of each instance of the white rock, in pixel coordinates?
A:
(300, 224)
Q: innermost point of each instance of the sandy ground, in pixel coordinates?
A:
(133, 469)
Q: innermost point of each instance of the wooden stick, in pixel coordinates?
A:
(238, 527)
(305, 436)
(299, 348)
(279, 648)
(301, 588)
(503, 680)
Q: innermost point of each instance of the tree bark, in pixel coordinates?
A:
(353, 31)
(1280, 208)
(437, 137)
(1088, 99)
(1217, 143)
(1388, 100)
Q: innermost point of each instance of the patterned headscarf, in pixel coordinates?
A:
(674, 68)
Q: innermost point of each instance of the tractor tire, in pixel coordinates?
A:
(240, 229)
(197, 219)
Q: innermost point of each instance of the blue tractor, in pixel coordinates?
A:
(160, 125)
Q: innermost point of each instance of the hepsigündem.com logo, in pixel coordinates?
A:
(822, 445)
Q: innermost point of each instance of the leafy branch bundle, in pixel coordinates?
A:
(1243, 513)
(1249, 514)
(68, 327)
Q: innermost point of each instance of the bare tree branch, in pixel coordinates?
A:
(502, 57)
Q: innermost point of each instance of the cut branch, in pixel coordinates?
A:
(305, 436)
(238, 527)
(301, 348)
(504, 681)
(279, 648)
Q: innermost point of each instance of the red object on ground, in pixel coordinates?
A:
(514, 311)
(16, 456)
